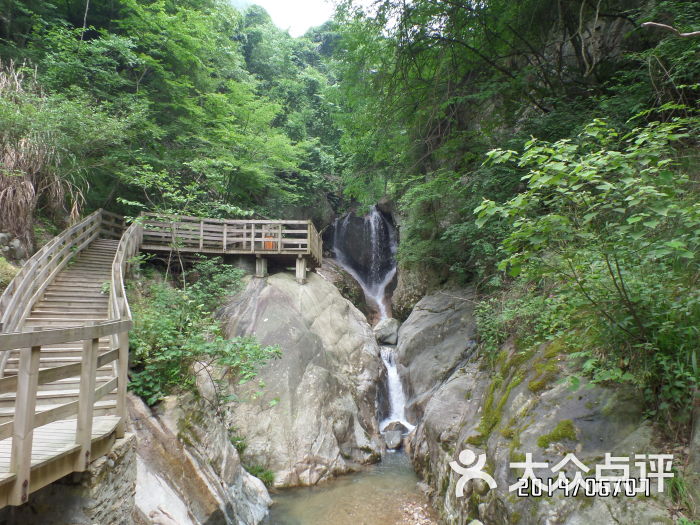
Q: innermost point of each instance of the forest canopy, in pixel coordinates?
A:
(545, 152)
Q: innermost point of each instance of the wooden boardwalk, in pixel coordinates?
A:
(64, 324)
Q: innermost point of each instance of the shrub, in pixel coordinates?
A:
(174, 328)
(614, 222)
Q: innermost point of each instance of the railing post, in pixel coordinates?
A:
(23, 426)
(225, 228)
(308, 238)
(252, 238)
(122, 379)
(201, 235)
(86, 402)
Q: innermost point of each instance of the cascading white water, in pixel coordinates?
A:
(381, 237)
(397, 398)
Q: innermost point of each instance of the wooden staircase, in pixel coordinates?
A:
(79, 295)
(64, 344)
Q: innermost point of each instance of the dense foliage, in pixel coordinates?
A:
(548, 149)
(175, 331)
(549, 155)
(177, 106)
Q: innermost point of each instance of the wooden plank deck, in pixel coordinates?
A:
(54, 441)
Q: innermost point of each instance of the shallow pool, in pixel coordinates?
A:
(384, 494)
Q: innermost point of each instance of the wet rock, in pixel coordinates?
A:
(385, 205)
(437, 336)
(396, 425)
(314, 418)
(393, 438)
(386, 331)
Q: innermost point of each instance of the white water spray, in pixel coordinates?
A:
(397, 398)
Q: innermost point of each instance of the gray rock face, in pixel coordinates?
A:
(504, 413)
(396, 425)
(386, 331)
(188, 472)
(346, 284)
(393, 438)
(437, 336)
(315, 416)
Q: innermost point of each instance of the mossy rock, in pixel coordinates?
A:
(564, 430)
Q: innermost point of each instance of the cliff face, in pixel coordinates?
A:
(315, 415)
(188, 472)
(521, 404)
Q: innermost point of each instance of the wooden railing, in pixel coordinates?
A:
(119, 310)
(29, 377)
(37, 273)
(224, 236)
(298, 238)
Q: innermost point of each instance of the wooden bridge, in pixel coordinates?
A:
(64, 323)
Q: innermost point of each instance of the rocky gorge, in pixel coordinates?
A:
(365, 416)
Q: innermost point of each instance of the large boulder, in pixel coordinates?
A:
(309, 415)
(346, 284)
(188, 471)
(521, 404)
(393, 438)
(386, 331)
(437, 336)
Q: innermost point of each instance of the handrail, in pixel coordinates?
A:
(258, 237)
(29, 377)
(36, 274)
(231, 236)
(119, 311)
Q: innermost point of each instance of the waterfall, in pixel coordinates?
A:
(397, 398)
(374, 269)
(372, 262)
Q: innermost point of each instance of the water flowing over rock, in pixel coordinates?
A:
(315, 416)
(366, 248)
(395, 389)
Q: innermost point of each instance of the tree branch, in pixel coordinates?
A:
(672, 29)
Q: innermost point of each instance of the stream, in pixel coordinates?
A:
(385, 493)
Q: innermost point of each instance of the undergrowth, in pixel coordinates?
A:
(174, 328)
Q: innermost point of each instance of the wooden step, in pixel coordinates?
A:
(80, 279)
(73, 293)
(52, 397)
(62, 323)
(69, 300)
(73, 383)
(96, 257)
(77, 314)
(75, 284)
(106, 370)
